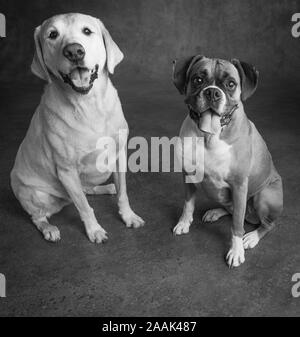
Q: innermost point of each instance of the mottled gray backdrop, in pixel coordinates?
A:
(152, 33)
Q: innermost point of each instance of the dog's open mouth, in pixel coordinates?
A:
(81, 79)
(209, 120)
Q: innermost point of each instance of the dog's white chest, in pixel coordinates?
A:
(217, 161)
(210, 158)
(213, 156)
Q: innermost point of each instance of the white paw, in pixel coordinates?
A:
(51, 233)
(251, 239)
(214, 214)
(183, 227)
(236, 255)
(98, 235)
(131, 219)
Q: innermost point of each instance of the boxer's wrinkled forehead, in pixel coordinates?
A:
(213, 69)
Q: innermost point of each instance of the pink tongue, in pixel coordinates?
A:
(209, 122)
(80, 77)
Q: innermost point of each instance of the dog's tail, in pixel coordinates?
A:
(101, 189)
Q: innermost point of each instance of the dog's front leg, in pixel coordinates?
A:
(71, 182)
(236, 254)
(186, 218)
(128, 216)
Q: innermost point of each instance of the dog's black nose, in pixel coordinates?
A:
(74, 52)
(212, 94)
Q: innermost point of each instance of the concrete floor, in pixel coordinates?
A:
(149, 272)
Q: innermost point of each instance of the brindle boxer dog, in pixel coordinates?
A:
(238, 169)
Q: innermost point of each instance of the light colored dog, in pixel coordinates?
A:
(239, 172)
(56, 162)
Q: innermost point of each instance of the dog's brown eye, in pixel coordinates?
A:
(197, 80)
(87, 31)
(53, 35)
(231, 85)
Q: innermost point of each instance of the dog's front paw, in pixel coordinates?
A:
(97, 235)
(131, 219)
(183, 227)
(236, 255)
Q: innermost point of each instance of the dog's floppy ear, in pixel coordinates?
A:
(38, 66)
(113, 54)
(249, 78)
(181, 70)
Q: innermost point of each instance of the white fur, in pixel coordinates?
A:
(217, 160)
(236, 254)
(214, 214)
(251, 239)
(56, 162)
(216, 154)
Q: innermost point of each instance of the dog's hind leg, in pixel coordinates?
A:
(100, 189)
(50, 232)
(214, 214)
(41, 205)
(268, 206)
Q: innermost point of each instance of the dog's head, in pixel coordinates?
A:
(74, 48)
(214, 88)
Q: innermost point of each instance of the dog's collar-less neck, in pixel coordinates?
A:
(224, 120)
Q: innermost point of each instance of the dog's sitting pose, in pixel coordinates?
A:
(56, 162)
(238, 170)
